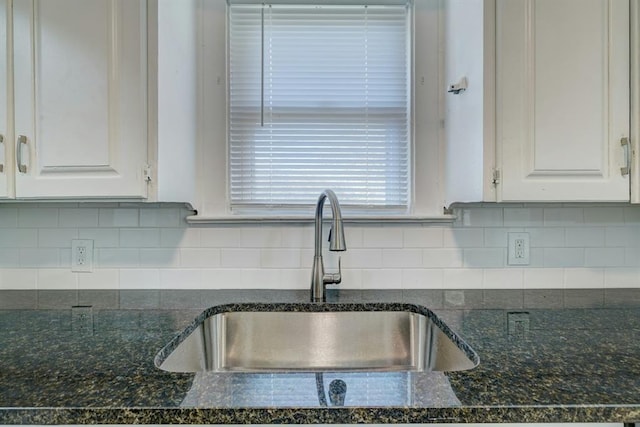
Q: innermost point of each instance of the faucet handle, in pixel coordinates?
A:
(334, 278)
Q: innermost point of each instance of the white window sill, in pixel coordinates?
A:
(309, 219)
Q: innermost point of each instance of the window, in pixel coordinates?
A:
(319, 97)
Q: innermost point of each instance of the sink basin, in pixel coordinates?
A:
(316, 337)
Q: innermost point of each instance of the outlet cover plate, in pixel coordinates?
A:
(81, 255)
(518, 251)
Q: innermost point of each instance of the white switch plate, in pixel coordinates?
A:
(81, 255)
(518, 249)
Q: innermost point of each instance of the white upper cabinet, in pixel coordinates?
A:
(562, 99)
(80, 98)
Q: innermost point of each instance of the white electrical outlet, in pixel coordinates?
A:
(518, 249)
(81, 255)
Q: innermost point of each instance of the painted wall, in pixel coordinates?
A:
(143, 247)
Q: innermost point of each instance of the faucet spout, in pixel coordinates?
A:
(336, 243)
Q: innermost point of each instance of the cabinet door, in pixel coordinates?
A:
(80, 98)
(4, 100)
(562, 99)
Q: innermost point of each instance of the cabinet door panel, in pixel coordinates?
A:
(563, 99)
(80, 97)
(4, 100)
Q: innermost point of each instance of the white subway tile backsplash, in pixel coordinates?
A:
(423, 237)
(604, 215)
(222, 278)
(523, 217)
(9, 258)
(464, 238)
(18, 237)
(497, 237)
(583, 278)
(240, 258)
(160, 217)
(543, 278)
(180, 279)
(117, 258)
(381, 279)
(379, 237)
(40, 258)
(503, 278)
(361, 258)
(353, 235)
(137, 278)
(563, 217)
(220, 237)
(295, 278)
(622, 236)
(621, 277)
(255, 278)
(76, 218)
(632, 215)
(119, 217)
(563, 257)
(55, 278)
(536, 257)
(547, 237)
(19, 279)
(144, 247)
(180, 237)
(401, 258)
(102, 237)
(37, 217)
(631, 257)
(65, 257)
(200, 258)
(422, 279)
(261, 237)
(303, 237)
(99, 279)
(463, 278)
(140, 238)
(8, 217)
(579, 237)
(280, 258)
(306, 257)
(442, 258)
(484, 258)
(160, 258)
(56, 237)
(351, 279)
(486, 217)
(605, 257)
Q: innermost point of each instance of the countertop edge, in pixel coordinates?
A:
(354, 415)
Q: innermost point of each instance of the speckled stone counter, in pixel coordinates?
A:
(546, 356)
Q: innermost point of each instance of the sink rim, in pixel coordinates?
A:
(310, 307)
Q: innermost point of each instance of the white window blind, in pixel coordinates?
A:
(319, 98)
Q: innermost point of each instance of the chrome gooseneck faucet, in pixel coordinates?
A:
(336, 243)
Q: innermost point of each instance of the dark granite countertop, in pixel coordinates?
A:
(546, 356)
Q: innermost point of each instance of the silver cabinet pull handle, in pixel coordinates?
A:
(2, 164)
(624, 142)
(22, 168)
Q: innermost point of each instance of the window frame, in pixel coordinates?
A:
(427, 149)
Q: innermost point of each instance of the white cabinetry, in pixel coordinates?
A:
(79, 111)
(562, 99)
(4, 100)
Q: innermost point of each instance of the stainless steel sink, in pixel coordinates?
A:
(317, 337)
